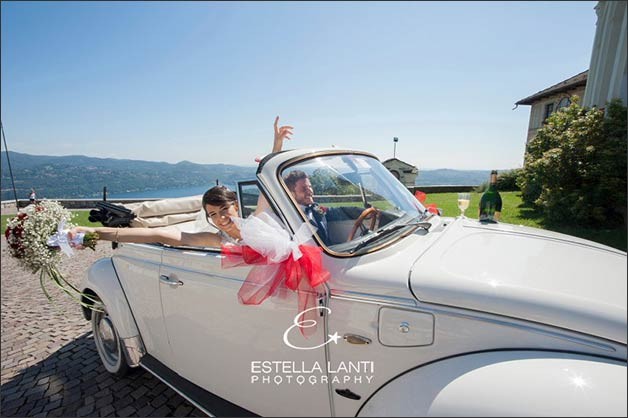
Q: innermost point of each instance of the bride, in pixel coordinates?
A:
(277, 258)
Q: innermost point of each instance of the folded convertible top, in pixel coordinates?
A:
(149, 214)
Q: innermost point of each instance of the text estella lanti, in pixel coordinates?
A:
(303, 367)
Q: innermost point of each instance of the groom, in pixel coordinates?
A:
(299, 184)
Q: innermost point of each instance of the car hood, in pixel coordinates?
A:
(526, 273)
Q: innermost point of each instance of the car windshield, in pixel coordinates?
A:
(352, 200)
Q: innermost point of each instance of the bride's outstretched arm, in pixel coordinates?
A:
(149, 235)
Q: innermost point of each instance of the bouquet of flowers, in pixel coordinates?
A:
(38, 235)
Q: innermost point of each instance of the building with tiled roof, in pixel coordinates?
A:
(549, 100)
(406, 173)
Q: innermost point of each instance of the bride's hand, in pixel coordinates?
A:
(76, 230)
(84, 229)
(281, 133)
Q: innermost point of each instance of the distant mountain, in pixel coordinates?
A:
(449, 177)
(78, 176)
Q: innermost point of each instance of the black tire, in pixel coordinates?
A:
(108, 342)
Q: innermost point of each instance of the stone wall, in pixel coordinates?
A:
(71, 203)
(9, 205)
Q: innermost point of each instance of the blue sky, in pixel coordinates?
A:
(203, 81)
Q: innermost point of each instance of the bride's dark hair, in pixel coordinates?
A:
(218, 196)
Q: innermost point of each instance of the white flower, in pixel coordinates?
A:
(27, 235)
(32, 232)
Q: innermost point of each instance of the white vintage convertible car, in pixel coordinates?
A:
(422, 315)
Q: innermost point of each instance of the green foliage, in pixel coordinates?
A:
(324, 182)
(481, 188)
(507, 180)
(575, 166)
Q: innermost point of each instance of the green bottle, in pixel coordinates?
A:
(491, 202)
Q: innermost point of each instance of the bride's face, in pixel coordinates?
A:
(221, 215)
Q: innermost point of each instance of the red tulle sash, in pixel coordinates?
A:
(305, 275)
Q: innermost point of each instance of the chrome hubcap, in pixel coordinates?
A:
(108, 340)
(107, 335)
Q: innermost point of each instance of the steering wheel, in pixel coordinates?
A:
(366, 213)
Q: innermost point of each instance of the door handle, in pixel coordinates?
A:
(170, 282)
(356, 339)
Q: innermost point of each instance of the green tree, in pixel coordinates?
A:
(325, 182)
(575, 167)
(506, 181)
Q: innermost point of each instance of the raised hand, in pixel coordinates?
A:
(281, 133)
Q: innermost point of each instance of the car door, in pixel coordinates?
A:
(250, 355)
(138, 266)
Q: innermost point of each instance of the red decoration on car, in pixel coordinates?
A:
(421, 196)
(302, 275)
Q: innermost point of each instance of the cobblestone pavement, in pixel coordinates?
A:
(50, 366)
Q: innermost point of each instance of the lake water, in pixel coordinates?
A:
(165, 193)
(192, 191)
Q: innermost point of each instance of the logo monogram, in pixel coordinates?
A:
(308, 323)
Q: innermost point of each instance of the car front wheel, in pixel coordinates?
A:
(108, 342)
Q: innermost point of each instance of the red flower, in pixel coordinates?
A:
(322, 210)
(15, 234)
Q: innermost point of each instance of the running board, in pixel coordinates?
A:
(197, 396)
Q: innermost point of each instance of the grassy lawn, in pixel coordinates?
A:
(79, 218)
(512, 212)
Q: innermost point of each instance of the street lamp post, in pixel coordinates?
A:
(395, 140)
(4, 139)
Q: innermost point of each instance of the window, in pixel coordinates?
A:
(248, 193)
(549, 108)
(564, 102)
(348, 198)
(251, 199)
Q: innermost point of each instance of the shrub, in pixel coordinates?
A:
(575, 166)
(481, 188)
(507, 180)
